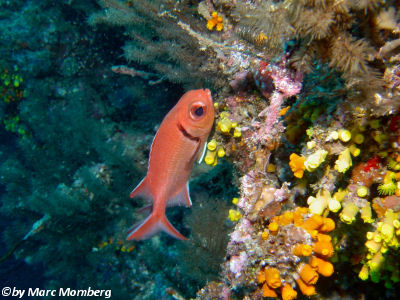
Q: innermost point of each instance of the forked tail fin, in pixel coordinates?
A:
(152, 225)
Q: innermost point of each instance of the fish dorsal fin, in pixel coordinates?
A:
(181, 199)
(142, 190)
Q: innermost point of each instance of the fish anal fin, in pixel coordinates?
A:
(148, 209)
(141, 190)
(181, 199)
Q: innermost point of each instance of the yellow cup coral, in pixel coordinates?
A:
(314, 160)
(234, 215)
(212, 145)
(349, 212)
(343, 163)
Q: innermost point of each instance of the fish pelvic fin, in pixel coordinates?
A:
(182, 198)
(151, 226)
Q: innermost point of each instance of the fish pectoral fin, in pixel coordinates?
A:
(181, 199)
(202, 152)
(152, 225)
(141, 190)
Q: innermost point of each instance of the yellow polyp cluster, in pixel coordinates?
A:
(314, 160)
(234, 215)
(311, 257)
(393, 164)
(213, 152)
(215, 21)
(227, 126)
(344, 135)
(362, 191)
(323, 201)
(378, 243)
(354, 150)
(387, 187)
(333, 135)
(349, 212)
(344, 162)
(366, 213)
(296, 164)
(358, 138)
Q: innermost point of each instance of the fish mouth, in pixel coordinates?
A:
(186, 134)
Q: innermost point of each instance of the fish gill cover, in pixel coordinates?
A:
(299, 190)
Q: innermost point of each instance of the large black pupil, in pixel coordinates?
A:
(199, 111)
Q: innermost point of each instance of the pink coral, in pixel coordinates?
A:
(271, 77)
(237, 263)
(242, 231)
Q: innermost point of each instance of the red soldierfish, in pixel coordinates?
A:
(178, 143)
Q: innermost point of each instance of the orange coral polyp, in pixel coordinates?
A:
(323, 237)
(288, 293)
(286, 218)
(297, 218)
(273, 227)
(302, 250)
(268, 292)
(215, 21)
(296, 164)
(272, 277)
(307, 290)
(323, 248)
(264, 235)
(327, 225)
(313, 222)
(323, 267)
(308, 274)
(261, 276)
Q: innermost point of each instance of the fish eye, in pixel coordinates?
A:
(197, 111)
